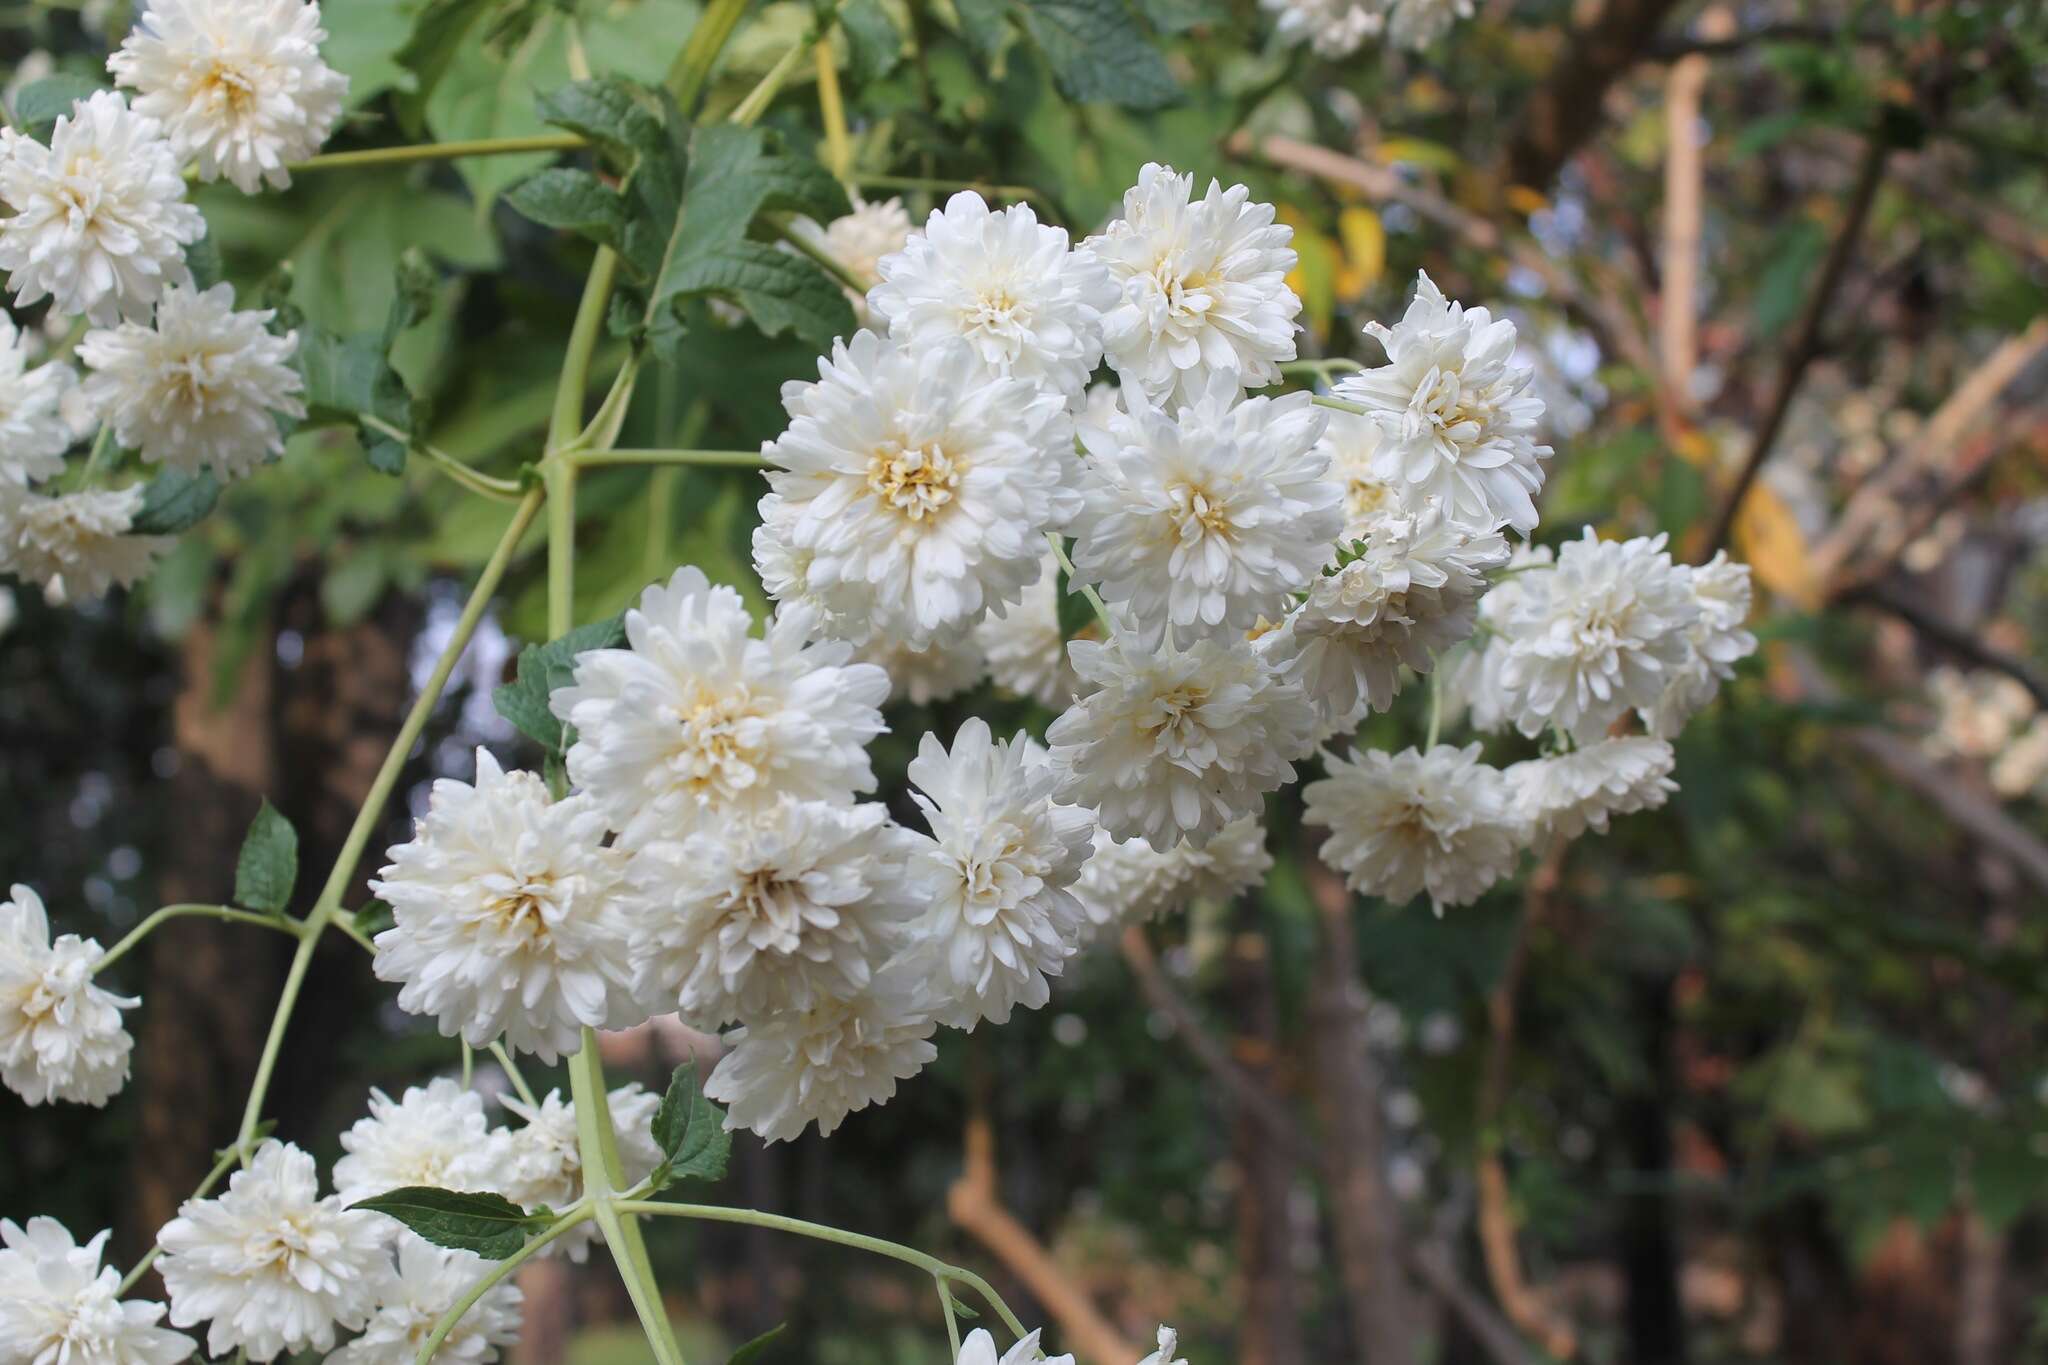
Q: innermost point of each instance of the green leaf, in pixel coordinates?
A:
(202, 258)
(781, 292)
(412, 297)
(1098, 52)
(347, 377)
(981, 24)
(753, 1349)
(269, 862)
(363, 41)
(690, 1130)
(542, 669)
(571, 201)
(175, 501)
(1178, 16)
(39, 104)
(490, 1225)
(1076, 612)
(438, 36)
(871, 38)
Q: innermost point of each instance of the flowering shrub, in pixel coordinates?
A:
(1066, 465)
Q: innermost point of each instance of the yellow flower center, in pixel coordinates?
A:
(916, 480)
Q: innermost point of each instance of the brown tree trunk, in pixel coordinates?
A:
(1269, 1332)
(1365, 1223)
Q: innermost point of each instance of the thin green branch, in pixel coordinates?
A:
(714, 459)
(571, 1218)
(1339, 405)
(512, 1074)
(693, 64)
(282, 924)
(1074, 580)
(221, 1164)
(441, 151)
(463, 473)
(1320, 368)
(565, 422)
(831, 264)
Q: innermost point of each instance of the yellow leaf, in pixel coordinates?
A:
(1694, 448)
(1365, 247)
(1419, 152)
(1314, 276)
(1768, 537)
(1526, 201)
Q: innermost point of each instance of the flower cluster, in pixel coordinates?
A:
(95, 220)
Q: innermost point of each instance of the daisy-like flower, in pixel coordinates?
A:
(919, 486)
(860, 240)
(75, 546)
(1203, 286)
(1352, 444)
(434, 1134)
(1409, 595)
(238, 84)
(199, 390)
(995, 876)
(821, 1064)
(1007, 285)
(1133, 881)
(1441, 822)
(60, 1035)
(1600, 634)
(99, 221)
(980, 1349)
(273, 1265)
(539, 1162)
(33, 432)
(60, 1306)
(1169, 1349)
(1333, 28)
(774, 913)
(430, 1281)
(1564, 796)
(697, 720)
(1457, 421)
(1203, 521)
(1025, 651)
(1174, 743)
(507, 919)
(1415, 24)
(1720, 638)
(921, 676)
(1471, 677)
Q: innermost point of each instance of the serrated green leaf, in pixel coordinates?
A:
(347, 377)
(780, 291)
(690, 1130)
(751, 1352)
(1097, 51)
(542, 669)
(269, 862)
(438, 36)
(175, 501)
(982, 25)
(1178, 16)
(412, 297)
(871, 38)
(202, 258)
(39, 104)
(620, 116)
(571, 201)
(490, 1225)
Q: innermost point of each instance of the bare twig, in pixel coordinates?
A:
(1720, 43)
(1975, 814)
(1684, 174)
(1953, 639)
(1805, 341)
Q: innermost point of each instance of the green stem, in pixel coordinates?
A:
(1321, 367)
(693, 64)
(221, 912)
(724, 459)
(952, 1319)
(373, 807)
(916, 182)
(468, 475)
(1339, 405)
(775, 1222)
(345, 921)
(220, 1168)
(763, 94)
(565, 423)
(1436, 708)
(441, 151)
(512, 1074)
(1074, 581)
(831, 264)
(604, 427)
(101, 444)
(570, 1218)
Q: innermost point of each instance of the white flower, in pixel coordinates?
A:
(238, 84)
(1228, 865)
(1719, 638)
(860, 240)
(199, 390)
(1134, 881)
(1204, 286)
(943, 669)
(1334, 28)
(824, 1063)
(506, 916)
(1441, 822)
(920, 487)
(995, 876)
(1602, 633)
(271, 1263)
(60, 1035)
(33, 432)
(1564, 796)
(99, 223)
(980, 1349)
(1456, 422)
(1352, 444)
(770, 914)
(1024, 649)
(1009, 287)
(1169, 1349)
(434, 1134)
(1471, 680)
(76, 546)
(539, 1162)
(697, 720)
(1176, 742)
(1203, 521)
(430, 1281)
(1408, 596)
(1415, 24)
(60, 1306)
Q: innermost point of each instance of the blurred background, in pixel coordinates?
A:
(1757, 1077)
